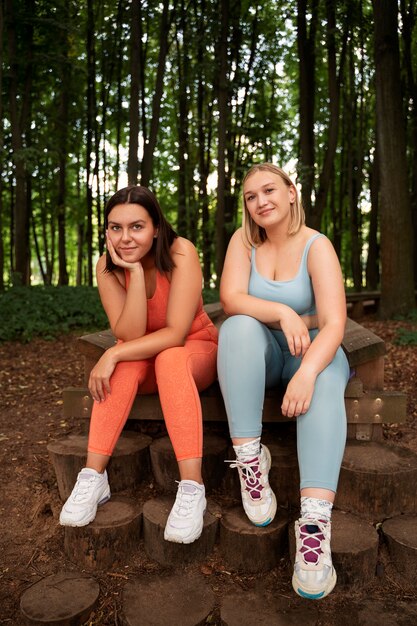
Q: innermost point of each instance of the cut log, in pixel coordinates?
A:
(401, 536)
(249, 548)
(155, 515)
(284, 476)
(128, 466)
(182, 599)
(64, 599)
(110, 539)
(354, 547)
(375, 480)
(165, 466)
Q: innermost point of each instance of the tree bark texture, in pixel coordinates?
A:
(397, 281)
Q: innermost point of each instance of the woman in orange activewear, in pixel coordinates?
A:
(150, 287)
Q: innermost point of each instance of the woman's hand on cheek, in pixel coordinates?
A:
(99, 381)
(117, 260)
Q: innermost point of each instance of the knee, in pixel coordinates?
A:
(171, 357)
(238, 326)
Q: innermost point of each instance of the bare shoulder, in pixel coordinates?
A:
(183, 246)
(183, 249)
(322, 255)
(238, 243)
(101, 264)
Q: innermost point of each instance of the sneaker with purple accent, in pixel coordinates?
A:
(258, 499)
(314, 575)
(186, 519)
(90, 490)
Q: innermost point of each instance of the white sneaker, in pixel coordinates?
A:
(185, 522)
(258, 499)
(90, 490)
(314, 575)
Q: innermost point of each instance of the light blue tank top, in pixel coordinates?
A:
(296, 293)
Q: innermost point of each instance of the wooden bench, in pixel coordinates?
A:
(368, 404)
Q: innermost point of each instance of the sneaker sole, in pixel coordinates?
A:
(317, 595)
(85, 521)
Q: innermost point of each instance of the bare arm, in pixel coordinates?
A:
(126, 308)
(184, 297)
(327, 280)
(236, 300)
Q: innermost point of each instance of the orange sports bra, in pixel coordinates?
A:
(157, 307)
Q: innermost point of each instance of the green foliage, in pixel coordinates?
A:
(28, 312)
(210, 296)
(406, 337)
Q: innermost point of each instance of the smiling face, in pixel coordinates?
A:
(268, 199)
(131, 231)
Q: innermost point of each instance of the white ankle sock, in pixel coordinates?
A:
(248, 451)
(315, 508)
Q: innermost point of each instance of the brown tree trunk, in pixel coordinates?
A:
(182, 125)
(135, 64)
(62, 134)
(409, 16)
(150, 144)
(204, 123)
(222, 99)
(19, 119)
(397, 280)
(372, 265)
(334, 78)
(306, 42)
(91, 121)
(1, 152)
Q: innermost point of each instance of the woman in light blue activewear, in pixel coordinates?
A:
(283, 291)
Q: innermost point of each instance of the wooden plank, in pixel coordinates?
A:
(361, 344)
(374, 407)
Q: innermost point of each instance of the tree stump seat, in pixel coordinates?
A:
(165, 467)
(66, 598)
(368, 404)
(128, 467)
(248, 548)
(354, 548)
(170, 554)
(110, 539)
(400, 533)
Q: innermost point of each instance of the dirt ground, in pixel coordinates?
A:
(32, 377)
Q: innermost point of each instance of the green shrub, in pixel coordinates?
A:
(406, 337)
(27, 312)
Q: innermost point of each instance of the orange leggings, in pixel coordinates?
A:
(178, 374)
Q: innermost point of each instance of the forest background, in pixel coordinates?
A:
(184, 96)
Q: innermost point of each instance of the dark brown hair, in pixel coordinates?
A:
(161, 247)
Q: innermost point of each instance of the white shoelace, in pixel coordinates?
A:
(252, 481)
(84, 486)
(184, 503)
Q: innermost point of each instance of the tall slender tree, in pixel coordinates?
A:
(397, 281)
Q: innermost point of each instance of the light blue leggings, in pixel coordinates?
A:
(251, 357)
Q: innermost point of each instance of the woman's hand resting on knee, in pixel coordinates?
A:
(295, 331)
(298, 394)
(99, 381)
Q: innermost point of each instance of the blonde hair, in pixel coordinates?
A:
(254, 235)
